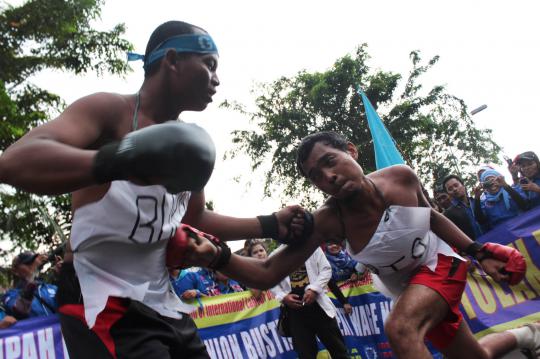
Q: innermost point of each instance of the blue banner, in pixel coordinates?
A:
(239, 326)
(37, 338)
(489, 306)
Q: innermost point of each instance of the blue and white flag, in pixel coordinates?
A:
(386, 152)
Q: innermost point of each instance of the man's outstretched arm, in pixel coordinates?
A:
(265, 274)
(256, 273)
(290, 220)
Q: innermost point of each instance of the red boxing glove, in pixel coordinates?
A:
(515, 262)
(178, 244)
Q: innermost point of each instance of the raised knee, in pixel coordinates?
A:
(400, 332)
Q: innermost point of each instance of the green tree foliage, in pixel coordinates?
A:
(38, 35)
(432, 128)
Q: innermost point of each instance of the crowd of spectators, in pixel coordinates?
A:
(194, 283)
(493, 201)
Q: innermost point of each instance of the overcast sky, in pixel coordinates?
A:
(489, 55)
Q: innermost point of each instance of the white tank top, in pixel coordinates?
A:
(119, 245)
(401, 244)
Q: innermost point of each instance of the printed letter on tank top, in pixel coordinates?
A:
(119, 245)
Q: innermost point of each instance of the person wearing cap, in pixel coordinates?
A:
(498, 202)
(529, 167)
(31, 297)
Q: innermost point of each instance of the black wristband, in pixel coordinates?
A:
(223, 256)
(105, 167)
(269, 226)
(293, 240)
(473, 249)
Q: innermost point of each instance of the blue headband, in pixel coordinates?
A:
(200, 44)
(489, 173)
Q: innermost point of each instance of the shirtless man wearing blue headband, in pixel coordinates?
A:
(134, 173)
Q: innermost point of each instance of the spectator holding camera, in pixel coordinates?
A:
(30, 297)
(528, 165)
(499, 201)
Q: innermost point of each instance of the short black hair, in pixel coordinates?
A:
(162, 33)
(330, 138)
(449, 177)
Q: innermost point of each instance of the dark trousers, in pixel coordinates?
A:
(310, 322)
(125, 329)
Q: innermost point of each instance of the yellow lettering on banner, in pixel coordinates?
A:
(522, 292)
(467, 303)
(482, 294)
(533, 273)
(506, 299)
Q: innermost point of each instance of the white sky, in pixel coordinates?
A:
(489, 55)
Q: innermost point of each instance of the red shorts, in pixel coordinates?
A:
(449, 281)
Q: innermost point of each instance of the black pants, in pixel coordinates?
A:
(310, 322)
(125, 329)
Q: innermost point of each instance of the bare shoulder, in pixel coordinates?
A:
(397, 174)
(327, 222)
(398, 184)
(87, 122)
(100, 106)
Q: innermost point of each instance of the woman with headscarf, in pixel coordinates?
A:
(499, 202)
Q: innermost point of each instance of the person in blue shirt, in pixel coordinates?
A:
(6, 321)
(528, 165)
(224, 285)
(187, 284)
(30, 297)
(500, 202)
(343, 266)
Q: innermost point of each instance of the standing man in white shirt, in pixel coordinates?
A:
(311, 313)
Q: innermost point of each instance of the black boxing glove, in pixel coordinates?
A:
(179, 155)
